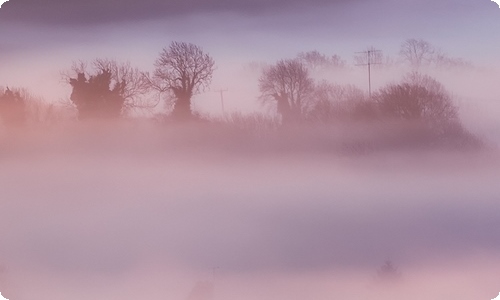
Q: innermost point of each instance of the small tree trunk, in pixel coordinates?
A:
(182, 108)
(283, 108)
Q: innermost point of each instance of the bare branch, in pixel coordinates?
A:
(183, 70)
(288, 83)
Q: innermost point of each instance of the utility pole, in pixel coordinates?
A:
(369, 62)
(222, 100)
(213, 281)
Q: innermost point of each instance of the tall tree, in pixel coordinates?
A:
(182, 70)
(288, 84)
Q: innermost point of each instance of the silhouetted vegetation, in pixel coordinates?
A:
(255, 124)
(182, 70)
(419, 53)
(416, 112)
(95, 98)
(314, 60)
(12, 108)
(334, 103)
(422, 105)
(289, 86)
(108, 91)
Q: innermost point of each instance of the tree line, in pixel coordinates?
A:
(107, 89)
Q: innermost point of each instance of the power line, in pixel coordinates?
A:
(369, 53)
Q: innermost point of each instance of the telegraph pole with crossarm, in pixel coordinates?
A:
(369, 62)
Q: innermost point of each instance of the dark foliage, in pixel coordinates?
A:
(95, 98)
(424, 113)
(417, 113)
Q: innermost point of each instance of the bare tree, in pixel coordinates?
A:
(420, 53)
(315, 60)
(417, 52)
(136, 86)
(337, 61)
(288, 84)
(334, 102)
(443, 60)
(182, 70)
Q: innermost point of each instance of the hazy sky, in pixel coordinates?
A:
(40, 38)
(229, 26)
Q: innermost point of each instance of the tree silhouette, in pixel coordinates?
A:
(443, 60)
(315, 60)
(417, 52)
(425, 113)
(417, 98)
(334, 102)
(183, 70)
(12, 108)
(95, 98)
(95, 92)
(135, 85)
(288, 84)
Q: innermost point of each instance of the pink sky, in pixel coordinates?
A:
(40, 40)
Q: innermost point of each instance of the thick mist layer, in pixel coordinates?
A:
(158, 212)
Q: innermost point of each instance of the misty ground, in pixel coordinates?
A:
(147, 211)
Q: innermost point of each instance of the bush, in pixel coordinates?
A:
(12, 108)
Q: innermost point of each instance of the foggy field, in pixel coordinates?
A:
(249, 150)
(142, 211)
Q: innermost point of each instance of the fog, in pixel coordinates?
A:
(216, 209)
(145, 211)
